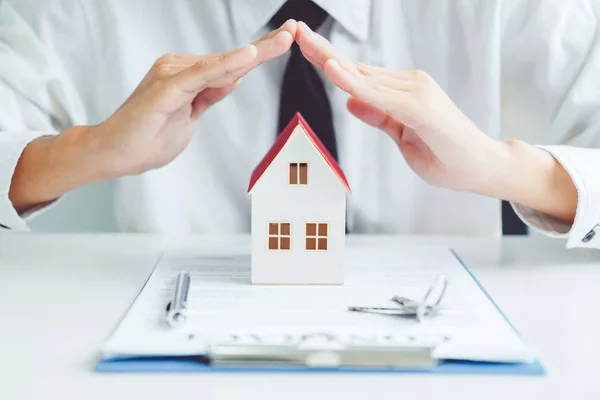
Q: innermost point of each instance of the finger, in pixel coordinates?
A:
(175, 59)
(265, 43)
(375, 117)
(275, 44)
(390, 82)
(288, 29)
(318, 50)
(208, 97)
(164, 71)
(357, 86)
(369, 70)
(289, 26)
(158, 71)
(272, 45)
(170, 94)
(220, 70)
(212, 73)
(266, 50)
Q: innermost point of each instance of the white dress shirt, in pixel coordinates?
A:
(522, 69)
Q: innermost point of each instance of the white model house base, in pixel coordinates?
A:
(298, 211)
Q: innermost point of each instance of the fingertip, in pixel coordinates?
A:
(290, 26)
(351, 107)
(287, 23)
(305, 28)
(367, 113)
(352, 103)
(302, 31)
(355, 106)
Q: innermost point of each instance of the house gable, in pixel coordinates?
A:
(297, 126)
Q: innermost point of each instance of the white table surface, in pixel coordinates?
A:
(61, 295)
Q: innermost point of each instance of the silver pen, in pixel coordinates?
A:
(177, 308)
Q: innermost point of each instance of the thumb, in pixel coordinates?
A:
(208, 97)
(373, 116)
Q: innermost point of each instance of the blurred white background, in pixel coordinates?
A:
(88, 209)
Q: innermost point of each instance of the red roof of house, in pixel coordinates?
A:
(282, 140)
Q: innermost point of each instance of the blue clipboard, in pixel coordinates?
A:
(201, 364)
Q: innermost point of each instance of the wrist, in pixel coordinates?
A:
(51, 166)
(527, 175)
(77, 153)
(89, 145)
(493, 169)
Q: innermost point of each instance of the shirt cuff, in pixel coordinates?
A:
(583, 166)
(11, 148)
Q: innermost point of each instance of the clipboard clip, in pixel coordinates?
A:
(407, 358)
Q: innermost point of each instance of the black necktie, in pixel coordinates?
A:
(511, 223)
(302, 89)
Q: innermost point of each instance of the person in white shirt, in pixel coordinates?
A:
(524, 69)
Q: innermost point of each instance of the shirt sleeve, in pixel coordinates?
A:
(583, 166)
(550, 74)
(37, 96)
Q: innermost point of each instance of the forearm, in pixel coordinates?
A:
(532, 177)
(51, 166)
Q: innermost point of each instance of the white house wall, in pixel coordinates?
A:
(322, 200)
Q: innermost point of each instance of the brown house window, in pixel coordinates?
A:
(299, 173)
(280, 236)
(316, 236)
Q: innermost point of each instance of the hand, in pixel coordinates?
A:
(150, 129)
(436, 139)
(155, 124)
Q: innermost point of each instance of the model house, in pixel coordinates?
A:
(298, 211)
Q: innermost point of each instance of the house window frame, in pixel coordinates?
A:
(279, 236)
(298, 163)
(316, 236)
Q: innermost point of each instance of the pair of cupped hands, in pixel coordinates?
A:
(157, 121)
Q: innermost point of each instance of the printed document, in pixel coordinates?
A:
(224, 307)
